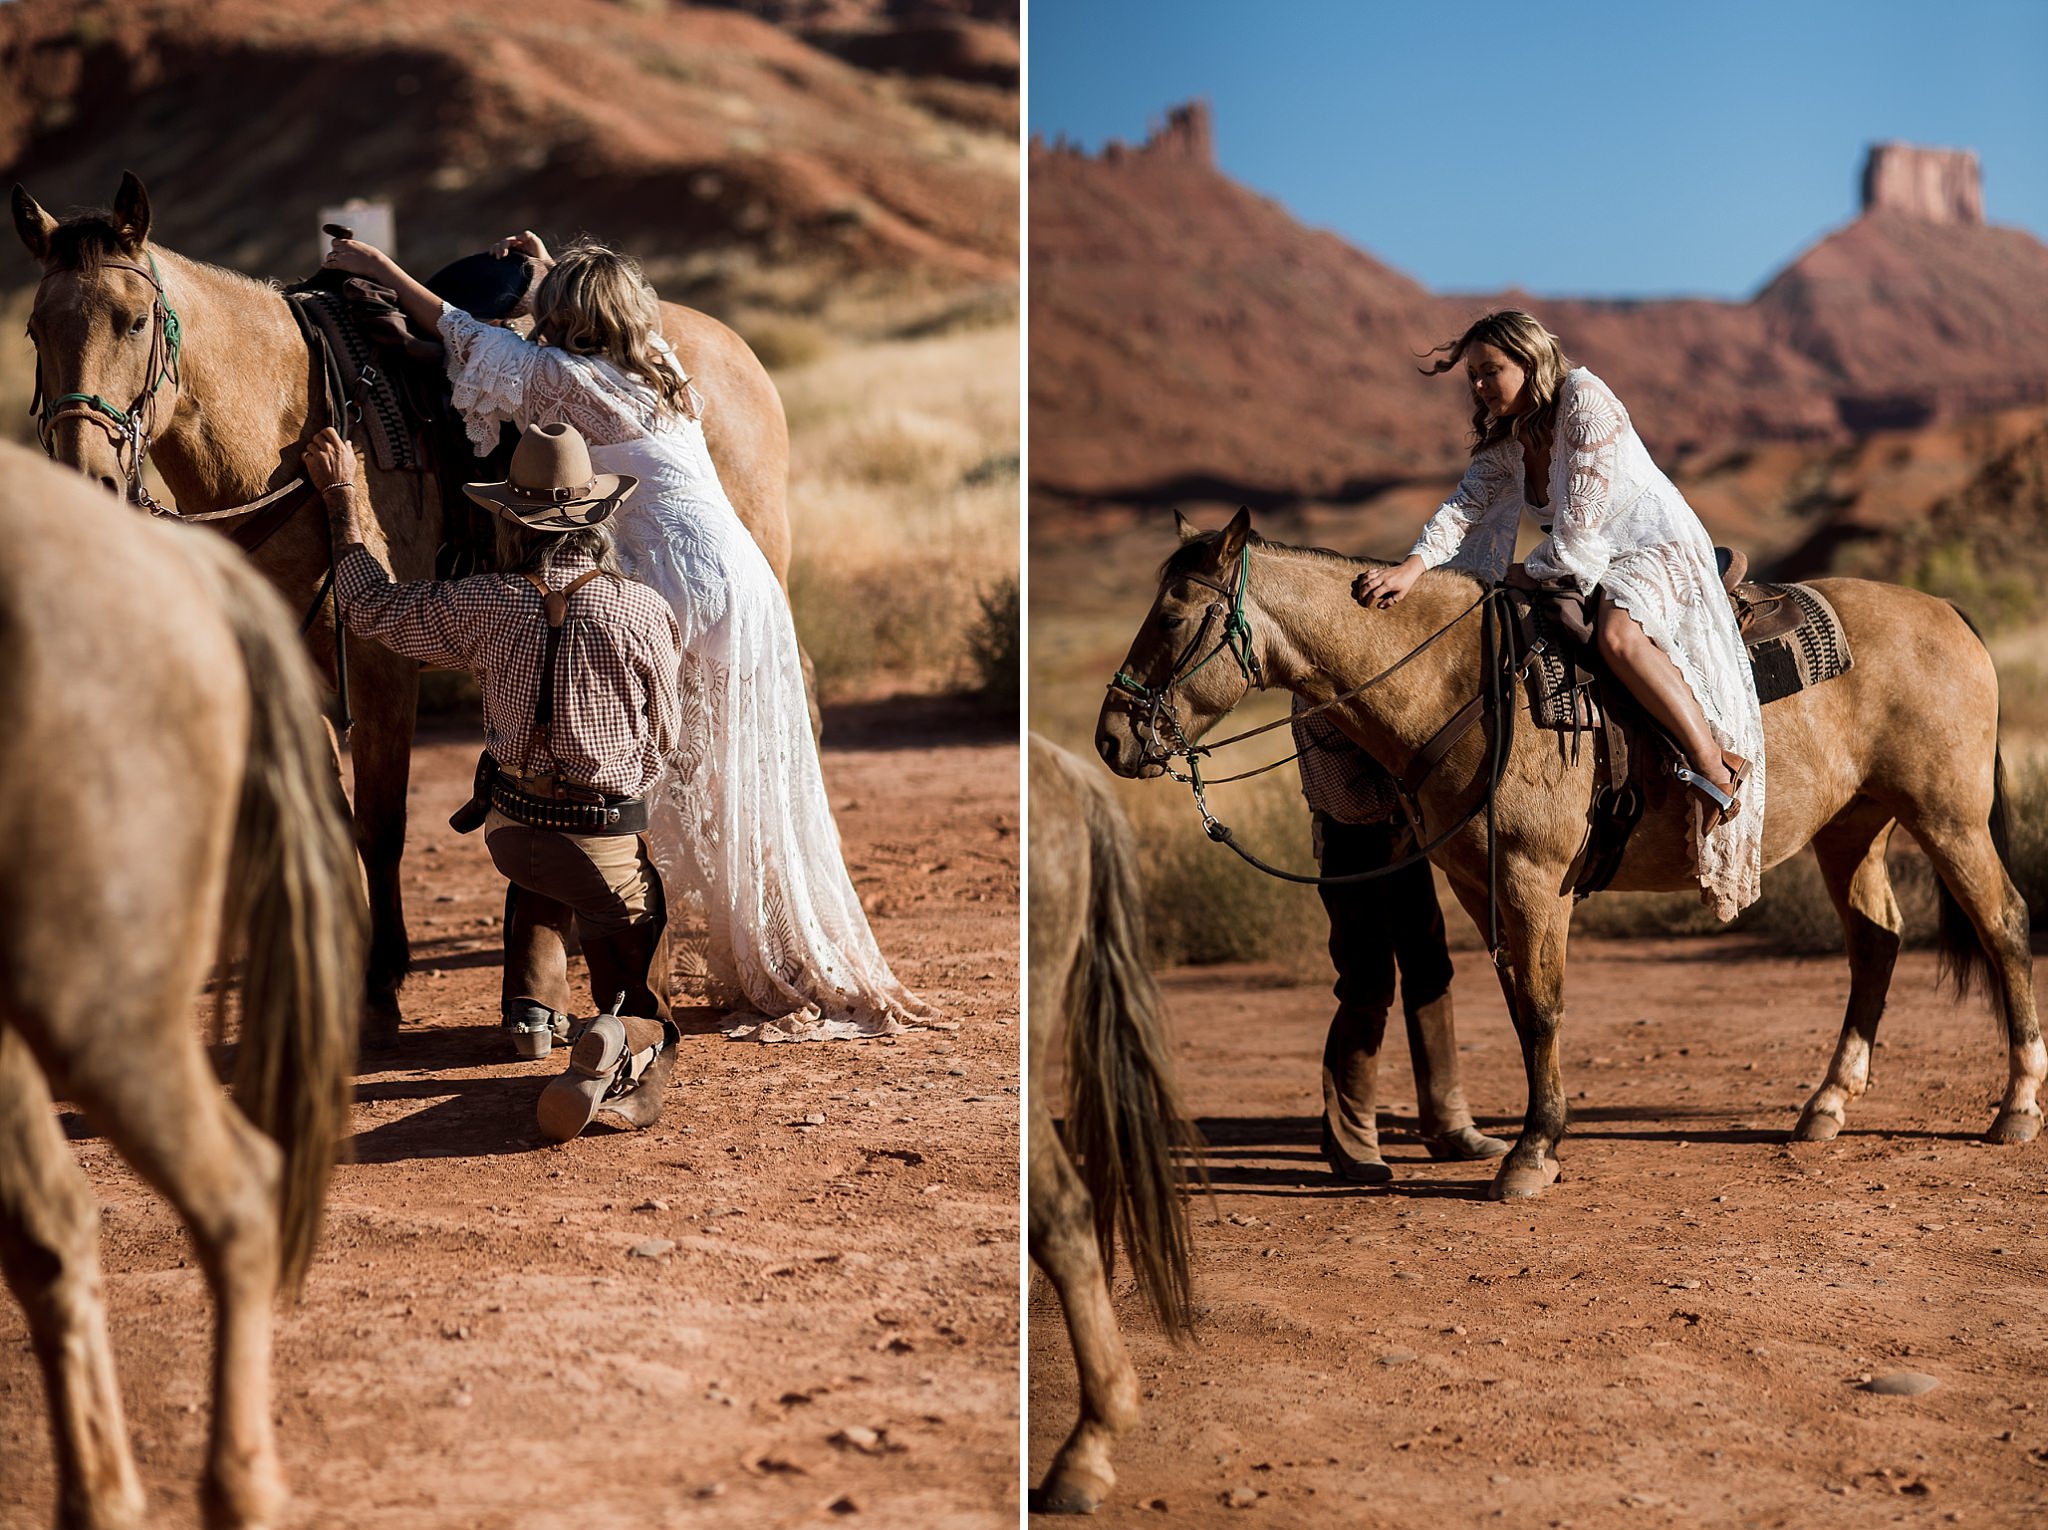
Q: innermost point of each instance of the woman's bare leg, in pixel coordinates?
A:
(1655, 680)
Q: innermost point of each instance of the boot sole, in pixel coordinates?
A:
(571, 1102)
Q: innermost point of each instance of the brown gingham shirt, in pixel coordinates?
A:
(617, 710)
(1339, 779)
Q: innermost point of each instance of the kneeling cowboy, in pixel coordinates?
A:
(577, 666)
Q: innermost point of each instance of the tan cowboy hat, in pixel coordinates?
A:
(551, 486)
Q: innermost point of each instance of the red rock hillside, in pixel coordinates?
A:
(703, 140)
(1191, 340)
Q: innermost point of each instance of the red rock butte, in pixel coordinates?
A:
(1191, 340)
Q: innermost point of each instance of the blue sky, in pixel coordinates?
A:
(1597, 148)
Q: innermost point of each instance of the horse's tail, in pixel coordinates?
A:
(1123, 1112)
(296, 911)
(1963, 960)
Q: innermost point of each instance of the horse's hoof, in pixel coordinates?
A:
(1517, 1182)
(2013, 1127)
(1468, 1144)
(1817, 1128)
(1064, 1498)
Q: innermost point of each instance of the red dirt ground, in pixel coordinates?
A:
(1672, 1336)
(478, 1348)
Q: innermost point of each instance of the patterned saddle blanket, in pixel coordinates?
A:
(1793, 635)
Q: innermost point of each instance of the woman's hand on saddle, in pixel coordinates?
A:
(526, 242)
(359, 259)
(1383, 587)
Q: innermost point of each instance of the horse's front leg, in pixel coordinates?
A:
(383, 694)
(1534, 925)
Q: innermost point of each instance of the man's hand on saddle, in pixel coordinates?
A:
(1378, 588)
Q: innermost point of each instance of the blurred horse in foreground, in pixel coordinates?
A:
(167, 796)
(1122, 1109)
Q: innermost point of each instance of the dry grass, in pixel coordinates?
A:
(903, 505)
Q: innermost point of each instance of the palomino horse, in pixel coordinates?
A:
(167, 794)
(224, 409)
(1123, 1114)
(1907, 737)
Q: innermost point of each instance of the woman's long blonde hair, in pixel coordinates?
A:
(1538, 353)
(595, 302)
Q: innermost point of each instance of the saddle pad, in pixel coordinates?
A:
(367, 383)
(1794, 638)
(1788, 657)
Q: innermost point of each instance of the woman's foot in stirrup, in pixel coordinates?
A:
(1719, 786)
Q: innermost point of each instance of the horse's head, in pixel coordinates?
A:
(106, 337)
(1192, 660)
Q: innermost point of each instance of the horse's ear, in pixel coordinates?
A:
(33, 224)
(131, 211)
(1185, 527)
(1235, 535)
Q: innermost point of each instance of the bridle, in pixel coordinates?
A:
(1495, 699)
(1236, 637)
(130, 429)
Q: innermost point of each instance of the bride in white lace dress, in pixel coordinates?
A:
(1555, 443)
(740, 825)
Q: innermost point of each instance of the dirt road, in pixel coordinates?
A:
(826, 1331)
(1674, 1335)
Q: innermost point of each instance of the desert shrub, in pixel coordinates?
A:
(1992, 601)
(1204, 905)
(995, 646)
(2026, 806)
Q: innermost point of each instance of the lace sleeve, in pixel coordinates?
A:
(1590, 427)
(499, 376)
(1474, 529)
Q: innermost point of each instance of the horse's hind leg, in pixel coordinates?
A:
(156, 1098)
(49, 1231)
(1851, 852)
(1973, 873)
(1063, 1244)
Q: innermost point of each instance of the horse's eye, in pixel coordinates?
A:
(1171, 622)
(138, 324)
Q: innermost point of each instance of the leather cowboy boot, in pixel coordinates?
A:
(620, 1065)
(1445, 1118)
(1351, 1065)
(633, 961)
(535, 999)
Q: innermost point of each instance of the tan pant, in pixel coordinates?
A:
(606, 880)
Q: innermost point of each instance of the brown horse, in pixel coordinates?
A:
(226, 425)
(1908, 737)
(1123, 1115)
(167, 794)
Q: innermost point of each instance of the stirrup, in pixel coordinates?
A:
(1726, 804)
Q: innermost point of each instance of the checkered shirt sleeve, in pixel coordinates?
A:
(617, 709)
(1339, 779)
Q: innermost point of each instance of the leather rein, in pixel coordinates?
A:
(1496, 698)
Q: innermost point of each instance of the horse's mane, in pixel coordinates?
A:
(86, 241)
(1196, 555)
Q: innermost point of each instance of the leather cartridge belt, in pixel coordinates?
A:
(567, 809)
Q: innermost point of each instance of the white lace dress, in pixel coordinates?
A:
(1616, 521)
(739, 825)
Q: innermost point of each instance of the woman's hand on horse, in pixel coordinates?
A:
(329, 460)
(359, 259)
(1383, 587)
